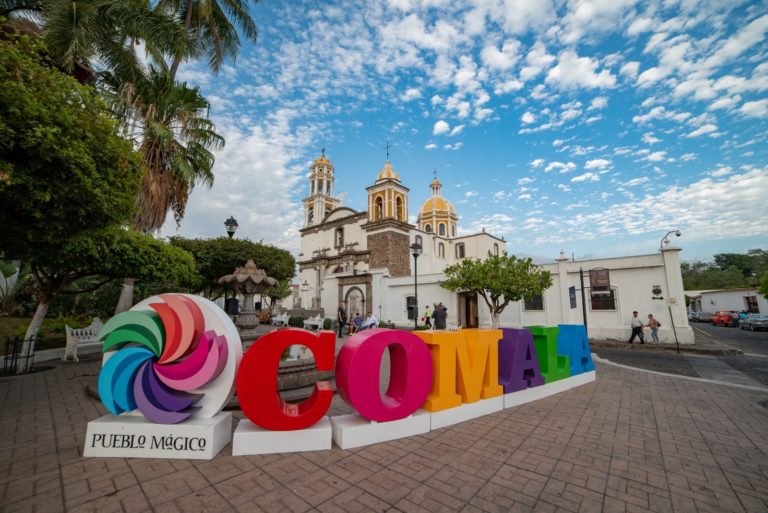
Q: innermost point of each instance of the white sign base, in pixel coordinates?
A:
(536, 393)
(355, 431)
(251, 439)
(133, 436)
(466, 411)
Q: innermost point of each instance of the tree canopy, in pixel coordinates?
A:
(499, 280)
(729, 270)
(215, 258)
(63, 168)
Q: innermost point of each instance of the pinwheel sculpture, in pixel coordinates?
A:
(161, 359)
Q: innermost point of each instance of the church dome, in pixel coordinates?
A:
(322, 161)
(388, 173)
(436, 204)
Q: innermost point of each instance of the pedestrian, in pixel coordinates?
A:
(370, 322)
(341, 318)
(654, 325)
(427, 318)
(438, 315)
(637, 328)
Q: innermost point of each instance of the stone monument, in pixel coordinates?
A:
(248, 281)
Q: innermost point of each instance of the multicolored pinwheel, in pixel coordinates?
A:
(160, 360)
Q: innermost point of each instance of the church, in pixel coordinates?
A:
(365, 261)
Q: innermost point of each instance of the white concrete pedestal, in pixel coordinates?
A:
(133, 436)
(252, 439)
(466, 411)
(355, 431)
(536, 393)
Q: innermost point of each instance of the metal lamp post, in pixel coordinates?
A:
(231, 225)
(664, 239)
(416, 251)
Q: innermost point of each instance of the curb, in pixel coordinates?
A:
(688, 349)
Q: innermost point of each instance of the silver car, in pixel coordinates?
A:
(754, 322)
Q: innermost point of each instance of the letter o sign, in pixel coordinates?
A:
(358, 369)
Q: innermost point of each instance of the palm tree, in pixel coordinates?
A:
(213, 24)
(84, 35)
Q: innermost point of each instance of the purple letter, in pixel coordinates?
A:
(518, 365)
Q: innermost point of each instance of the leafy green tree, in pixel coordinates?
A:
(215, 258)
(106, 254)
(271, 295)
(764, 284)
(499, 280)
(12, 280)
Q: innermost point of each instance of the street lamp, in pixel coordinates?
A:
(416, 251)
(231, 225)
(665, 240)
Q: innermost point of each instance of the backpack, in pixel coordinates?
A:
(658, 324)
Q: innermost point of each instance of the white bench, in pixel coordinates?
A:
(279, 320)
(314, 323)
(81, 337)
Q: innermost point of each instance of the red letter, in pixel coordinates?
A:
(257, 380)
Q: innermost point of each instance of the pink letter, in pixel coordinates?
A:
(358, 369)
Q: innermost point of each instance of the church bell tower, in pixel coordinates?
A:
(320, 200)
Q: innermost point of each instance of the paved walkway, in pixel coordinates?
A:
(632, 441)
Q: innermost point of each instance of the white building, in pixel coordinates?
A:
(363, 260)
(747, 299)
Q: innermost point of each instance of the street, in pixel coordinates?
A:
(749, 369)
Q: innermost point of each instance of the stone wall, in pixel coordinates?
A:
(391, 250)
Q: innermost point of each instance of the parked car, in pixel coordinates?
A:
(725, 318)
(754, 322)
(704, 317)
(693, 316)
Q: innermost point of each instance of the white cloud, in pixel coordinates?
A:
(640, 25)
(520, 16)
(755, 109)
(563, 167)
(630, 69)
(410, 94)
(453, 147)
(574, 71)
(430, 146)
(501, 59)
(726, 102)
(524, 197)
(528, 118)
(721, 171)
(440, 127)
(586, 177)
(688, 157)
(702, 130)
(537, 61)
(457, 130)
(738, 43)
(649, 138)
(597, 164)
(537, 163)
(656, 156)
(599, 102)
(525, 180)
(471, 194)
(637, 181)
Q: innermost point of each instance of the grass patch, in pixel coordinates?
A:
(52, 334)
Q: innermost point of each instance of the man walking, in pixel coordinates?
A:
(427, 318)
(341, 319)
(438, 315)
(637, 328)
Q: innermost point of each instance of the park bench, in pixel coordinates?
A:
(313, 323)
(81, 337)
(280, 320)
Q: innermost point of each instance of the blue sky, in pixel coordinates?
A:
(591, 126)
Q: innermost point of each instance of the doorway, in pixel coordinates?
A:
(468, 314)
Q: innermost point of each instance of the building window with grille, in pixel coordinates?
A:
(311, 215)
(460, 250)
(379, 208)
(453, 230)
(428, 228)
(495, 249)
(441, 229)
(339, 237)
(441, 250)
(535, 303)
(603, 301)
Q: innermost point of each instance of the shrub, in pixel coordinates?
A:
(387, 324)
(327, 323)
(296, 321)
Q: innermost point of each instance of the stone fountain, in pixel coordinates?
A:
(248, 281)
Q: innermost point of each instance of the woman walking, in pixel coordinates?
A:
(654, 325)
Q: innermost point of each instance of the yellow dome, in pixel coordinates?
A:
(322, 160)
(435, 183)
(387, 173)
(436, 204)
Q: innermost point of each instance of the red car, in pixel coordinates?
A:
(726, 318)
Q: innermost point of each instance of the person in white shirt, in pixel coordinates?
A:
(370, 322)
(637, 328)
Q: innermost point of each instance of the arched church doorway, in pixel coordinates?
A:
(355, 302)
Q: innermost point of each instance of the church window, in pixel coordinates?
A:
(311, 215)
(535, 303)
(418, 241)
(441, 250)
(399, 209)
(441, 229)
(328, 187)
(495, 249)
(603, 301)
(311, 187)
(428, 228)
(453, 230)
(460, 250)
(339, 237)
(379, 208)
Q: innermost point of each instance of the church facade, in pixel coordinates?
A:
(364, 261)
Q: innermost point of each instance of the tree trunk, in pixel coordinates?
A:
(24, 365)
(125, 302)
(494, 320)
(177, 60)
